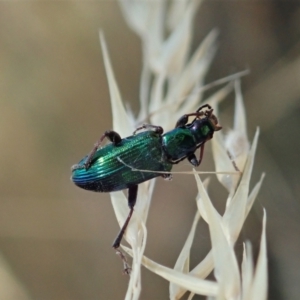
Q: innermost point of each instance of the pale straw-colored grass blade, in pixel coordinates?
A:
(183, 261)
(136, 233)
(259, 289)
(226, 269)
(191, 283)
(236, 140)
(247, 269)
(235, 213)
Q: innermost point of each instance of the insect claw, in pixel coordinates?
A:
(167, 176)
(127, 269)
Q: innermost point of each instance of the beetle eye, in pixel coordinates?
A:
(205, 130)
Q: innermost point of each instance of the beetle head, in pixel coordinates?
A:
(213, 120)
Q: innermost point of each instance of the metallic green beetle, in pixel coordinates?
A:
(116, 166)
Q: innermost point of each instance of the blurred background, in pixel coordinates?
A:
(55, 239)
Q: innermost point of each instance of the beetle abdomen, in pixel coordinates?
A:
(112, 166)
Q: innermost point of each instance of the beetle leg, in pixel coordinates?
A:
(111, 135)
(167, 176)
(193, 160)
(132, 194)
(157, 129)
(203, 106)
(201, 153)
(127, 269)
(192, 157)
(184, 119)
